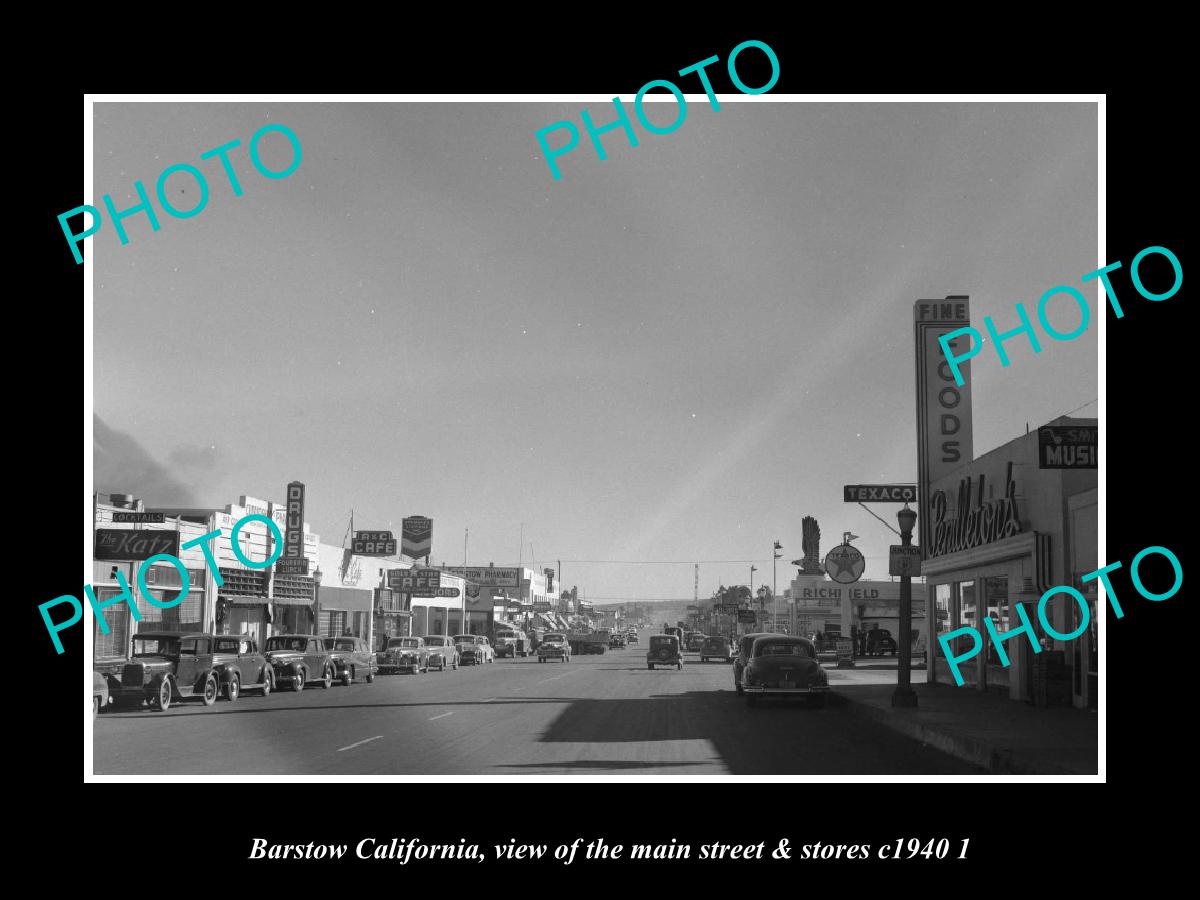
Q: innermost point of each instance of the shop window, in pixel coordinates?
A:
(941, 606)
(116, 642)
(995, 593)
(967, 617)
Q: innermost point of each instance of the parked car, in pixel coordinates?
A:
(616, 642)
(554, 645)
(166, 667)
(744, 646)
(442, 652)
(664, 651)
(298, 659)
(694, 641)
(782, 666)
(716, 647)
(351, 658)
(99, 693)
(240, 666)
(631, 638)
(474, 649)
(880, 641)
(511, 642)
(408, 653)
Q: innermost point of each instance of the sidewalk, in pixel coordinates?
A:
(1005, 737)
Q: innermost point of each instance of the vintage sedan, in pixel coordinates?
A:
(744, 646)
(298, 659)
(166, 667)
(693, 641)
(407, 653)
(475, 649)
(664, 651)
(631, 638)
(352, 658)
(716, 647)
(782, 666)
(616, 642)
(554, 646)
(511, 642)
(442, 652)
(240, 666)
(99, 693)
(879, 642)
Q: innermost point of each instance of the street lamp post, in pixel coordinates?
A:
(775, 580)
(317, 601)
(904, 695)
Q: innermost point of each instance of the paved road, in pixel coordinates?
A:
(605, 715)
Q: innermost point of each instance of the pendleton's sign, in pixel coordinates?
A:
(974, 526)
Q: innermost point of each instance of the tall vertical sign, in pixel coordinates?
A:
(416, 537)
(943, 408)
(293, 561)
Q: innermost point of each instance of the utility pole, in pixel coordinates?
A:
(466, 537)
(696, 586)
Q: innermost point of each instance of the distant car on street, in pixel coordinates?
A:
(880, 641)
(554, 645)
(352, 659)
(693, 641)
(782, 666)
(716, 647)
(664, 651)
(511, 642)
(442, 652)
(631, 638)
(298, 659)
(744, 645)
(408, 653)
(616, 642)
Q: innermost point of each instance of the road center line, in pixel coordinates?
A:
(360, 743)
(556, 677)
(442, 716)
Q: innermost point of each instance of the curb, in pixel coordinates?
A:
(977, 751)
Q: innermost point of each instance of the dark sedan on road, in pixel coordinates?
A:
(880, 641)
(352, 658)
(298, 659)
(664, 651)
(474, 649)
(781, 666)
(745, 643)
(240, 667)
(166, 667)
(442, 652)
(554, 645)
(716, 647)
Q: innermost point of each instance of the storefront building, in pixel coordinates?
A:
(822, 606)
(1003, 529)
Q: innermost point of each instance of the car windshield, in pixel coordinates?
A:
(505, 634)
(435, 642)
(225, 645)
(287, 643)
(159, 646)
(714, 642)
(340, 644)
(553, 639)
(404, 642)
(663, 640)
(779, 648)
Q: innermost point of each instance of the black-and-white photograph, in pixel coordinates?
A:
(590, 439)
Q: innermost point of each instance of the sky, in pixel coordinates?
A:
(666, 357)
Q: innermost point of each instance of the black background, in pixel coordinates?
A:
(1147, 455)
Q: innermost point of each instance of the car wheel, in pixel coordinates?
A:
(268, 682)
(95, 707)
(370, 677)
(327, 677)
(211, 689)
(650, 666)
(298, 680)
(347, 677)
(233, 688)
(162, 699)
(738, 687)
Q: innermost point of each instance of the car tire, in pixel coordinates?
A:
(347, 677)
(650, 666)
(370, 677)
(211, 690)
(541, 659)
(162, 699)
(233, 688)
(95, 708)
(298, 681)
(268, 683)
(740, 690)
(326, 678)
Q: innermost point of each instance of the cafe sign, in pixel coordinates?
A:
(373, 543)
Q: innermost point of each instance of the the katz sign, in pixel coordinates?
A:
(125, 543)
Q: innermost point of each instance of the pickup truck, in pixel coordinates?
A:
(589, 642)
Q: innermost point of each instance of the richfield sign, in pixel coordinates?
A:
(943, 407)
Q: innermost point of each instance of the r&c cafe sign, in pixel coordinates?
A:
(976, 525)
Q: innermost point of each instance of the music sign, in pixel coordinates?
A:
(373, 543)
(1066, 447)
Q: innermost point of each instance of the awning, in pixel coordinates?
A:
(292, 601)
(242, 599)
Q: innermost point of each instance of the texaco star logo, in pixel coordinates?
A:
(844, 564)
